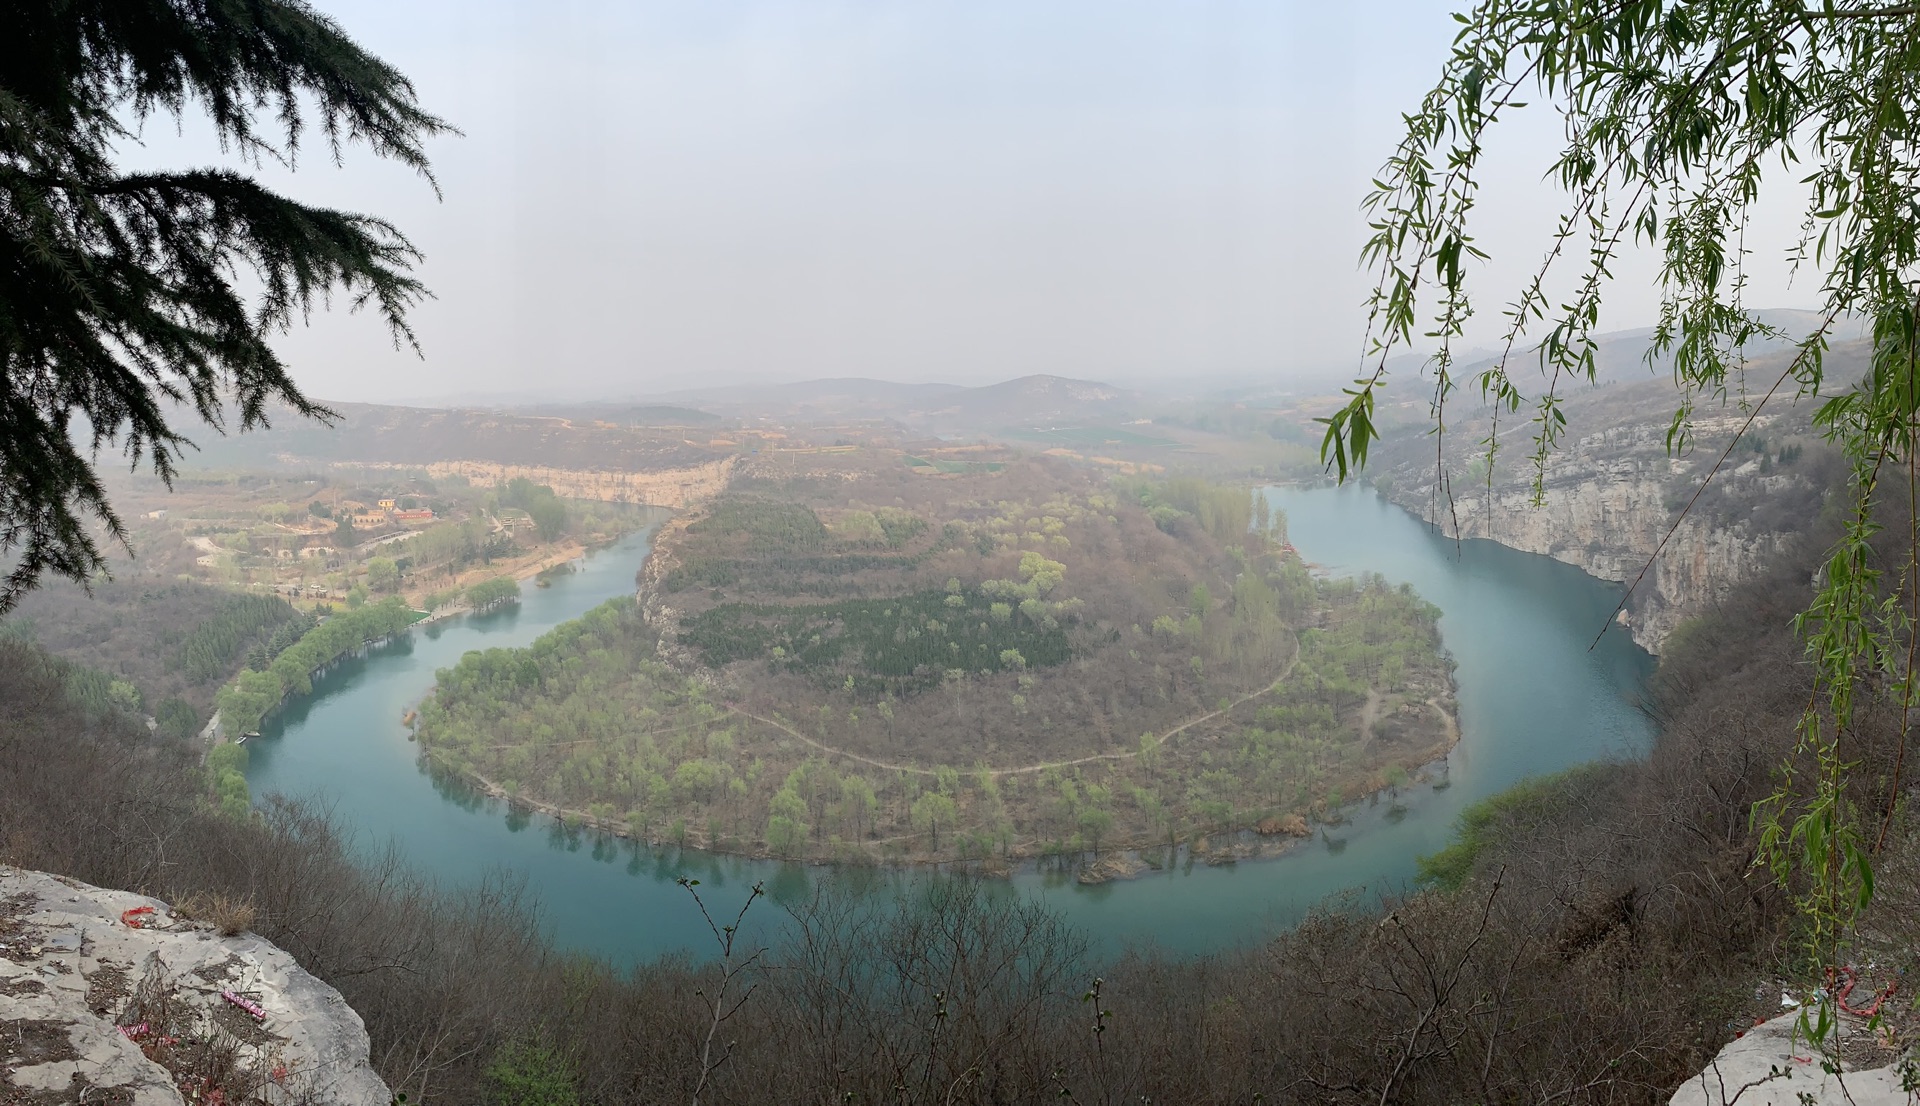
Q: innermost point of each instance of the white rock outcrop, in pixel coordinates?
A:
(93, 1008)
(1771, 1066)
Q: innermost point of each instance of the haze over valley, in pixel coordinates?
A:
(959, 553)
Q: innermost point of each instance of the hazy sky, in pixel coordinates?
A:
(659, 195)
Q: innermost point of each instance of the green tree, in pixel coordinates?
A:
(933, 810)
(549, 516)
(1096, 822)
(492, 593)
(227, 765)
(124, 696)
(176, 718)
(786, 822)
(383, 575)
(696, 780)
(947, 779)
(857, 801)
(118, 294)
(1042, 575)
(1676, 111)
(532, 1073)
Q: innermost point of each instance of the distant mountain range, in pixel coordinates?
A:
(1621, 355)
(365, 432)
(1045, 402)
(1026, 401)
(685, 426)
(623, 414)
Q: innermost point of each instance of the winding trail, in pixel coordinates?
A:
(1369, 714)
(998, 773)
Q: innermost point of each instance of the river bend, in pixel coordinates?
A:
(1532, 699)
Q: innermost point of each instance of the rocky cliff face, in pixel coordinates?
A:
(108, 996)
(666, 487)
(651, 599)
(1613, 493)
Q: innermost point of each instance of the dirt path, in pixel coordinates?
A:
(998, 773)
(1368, 714)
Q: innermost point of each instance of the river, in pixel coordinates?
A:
(1532, 699)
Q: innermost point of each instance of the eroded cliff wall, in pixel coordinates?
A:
(1613, 494)
(670, 487)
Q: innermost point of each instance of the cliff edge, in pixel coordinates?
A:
(113, 997)
(1771, 1065)
(1612, 493)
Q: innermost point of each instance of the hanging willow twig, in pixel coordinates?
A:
(1675, 113)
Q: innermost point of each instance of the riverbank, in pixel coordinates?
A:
(1280, 699)
(1272, 839)
(1244, 836)
(243, 699)
(1512, 622)
(537, 573)
(522, 569)
(255, 694)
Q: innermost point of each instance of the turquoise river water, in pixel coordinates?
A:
(1533, 698)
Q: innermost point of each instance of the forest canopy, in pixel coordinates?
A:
(258, 690)
(982, 667)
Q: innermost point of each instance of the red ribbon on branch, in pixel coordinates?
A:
(1840, 993)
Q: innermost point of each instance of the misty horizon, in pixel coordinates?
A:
(646, 200)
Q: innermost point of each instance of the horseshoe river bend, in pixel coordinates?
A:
(1532, 699)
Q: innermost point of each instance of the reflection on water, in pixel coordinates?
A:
(1532, 699)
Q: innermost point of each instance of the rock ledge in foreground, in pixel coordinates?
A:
(95, 1009)
(1768, 1066)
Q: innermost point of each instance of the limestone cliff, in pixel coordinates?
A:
(651, 600)
(108, 996)
(667, 487)
(1612, 495)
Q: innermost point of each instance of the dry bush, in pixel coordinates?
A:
(229, 915)
(1605, 947)
(206, 1062)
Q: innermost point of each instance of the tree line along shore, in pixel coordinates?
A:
(1019, 664)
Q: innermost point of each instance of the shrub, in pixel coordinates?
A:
(531, 1073)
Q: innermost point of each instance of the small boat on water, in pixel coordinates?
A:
(245, 737)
